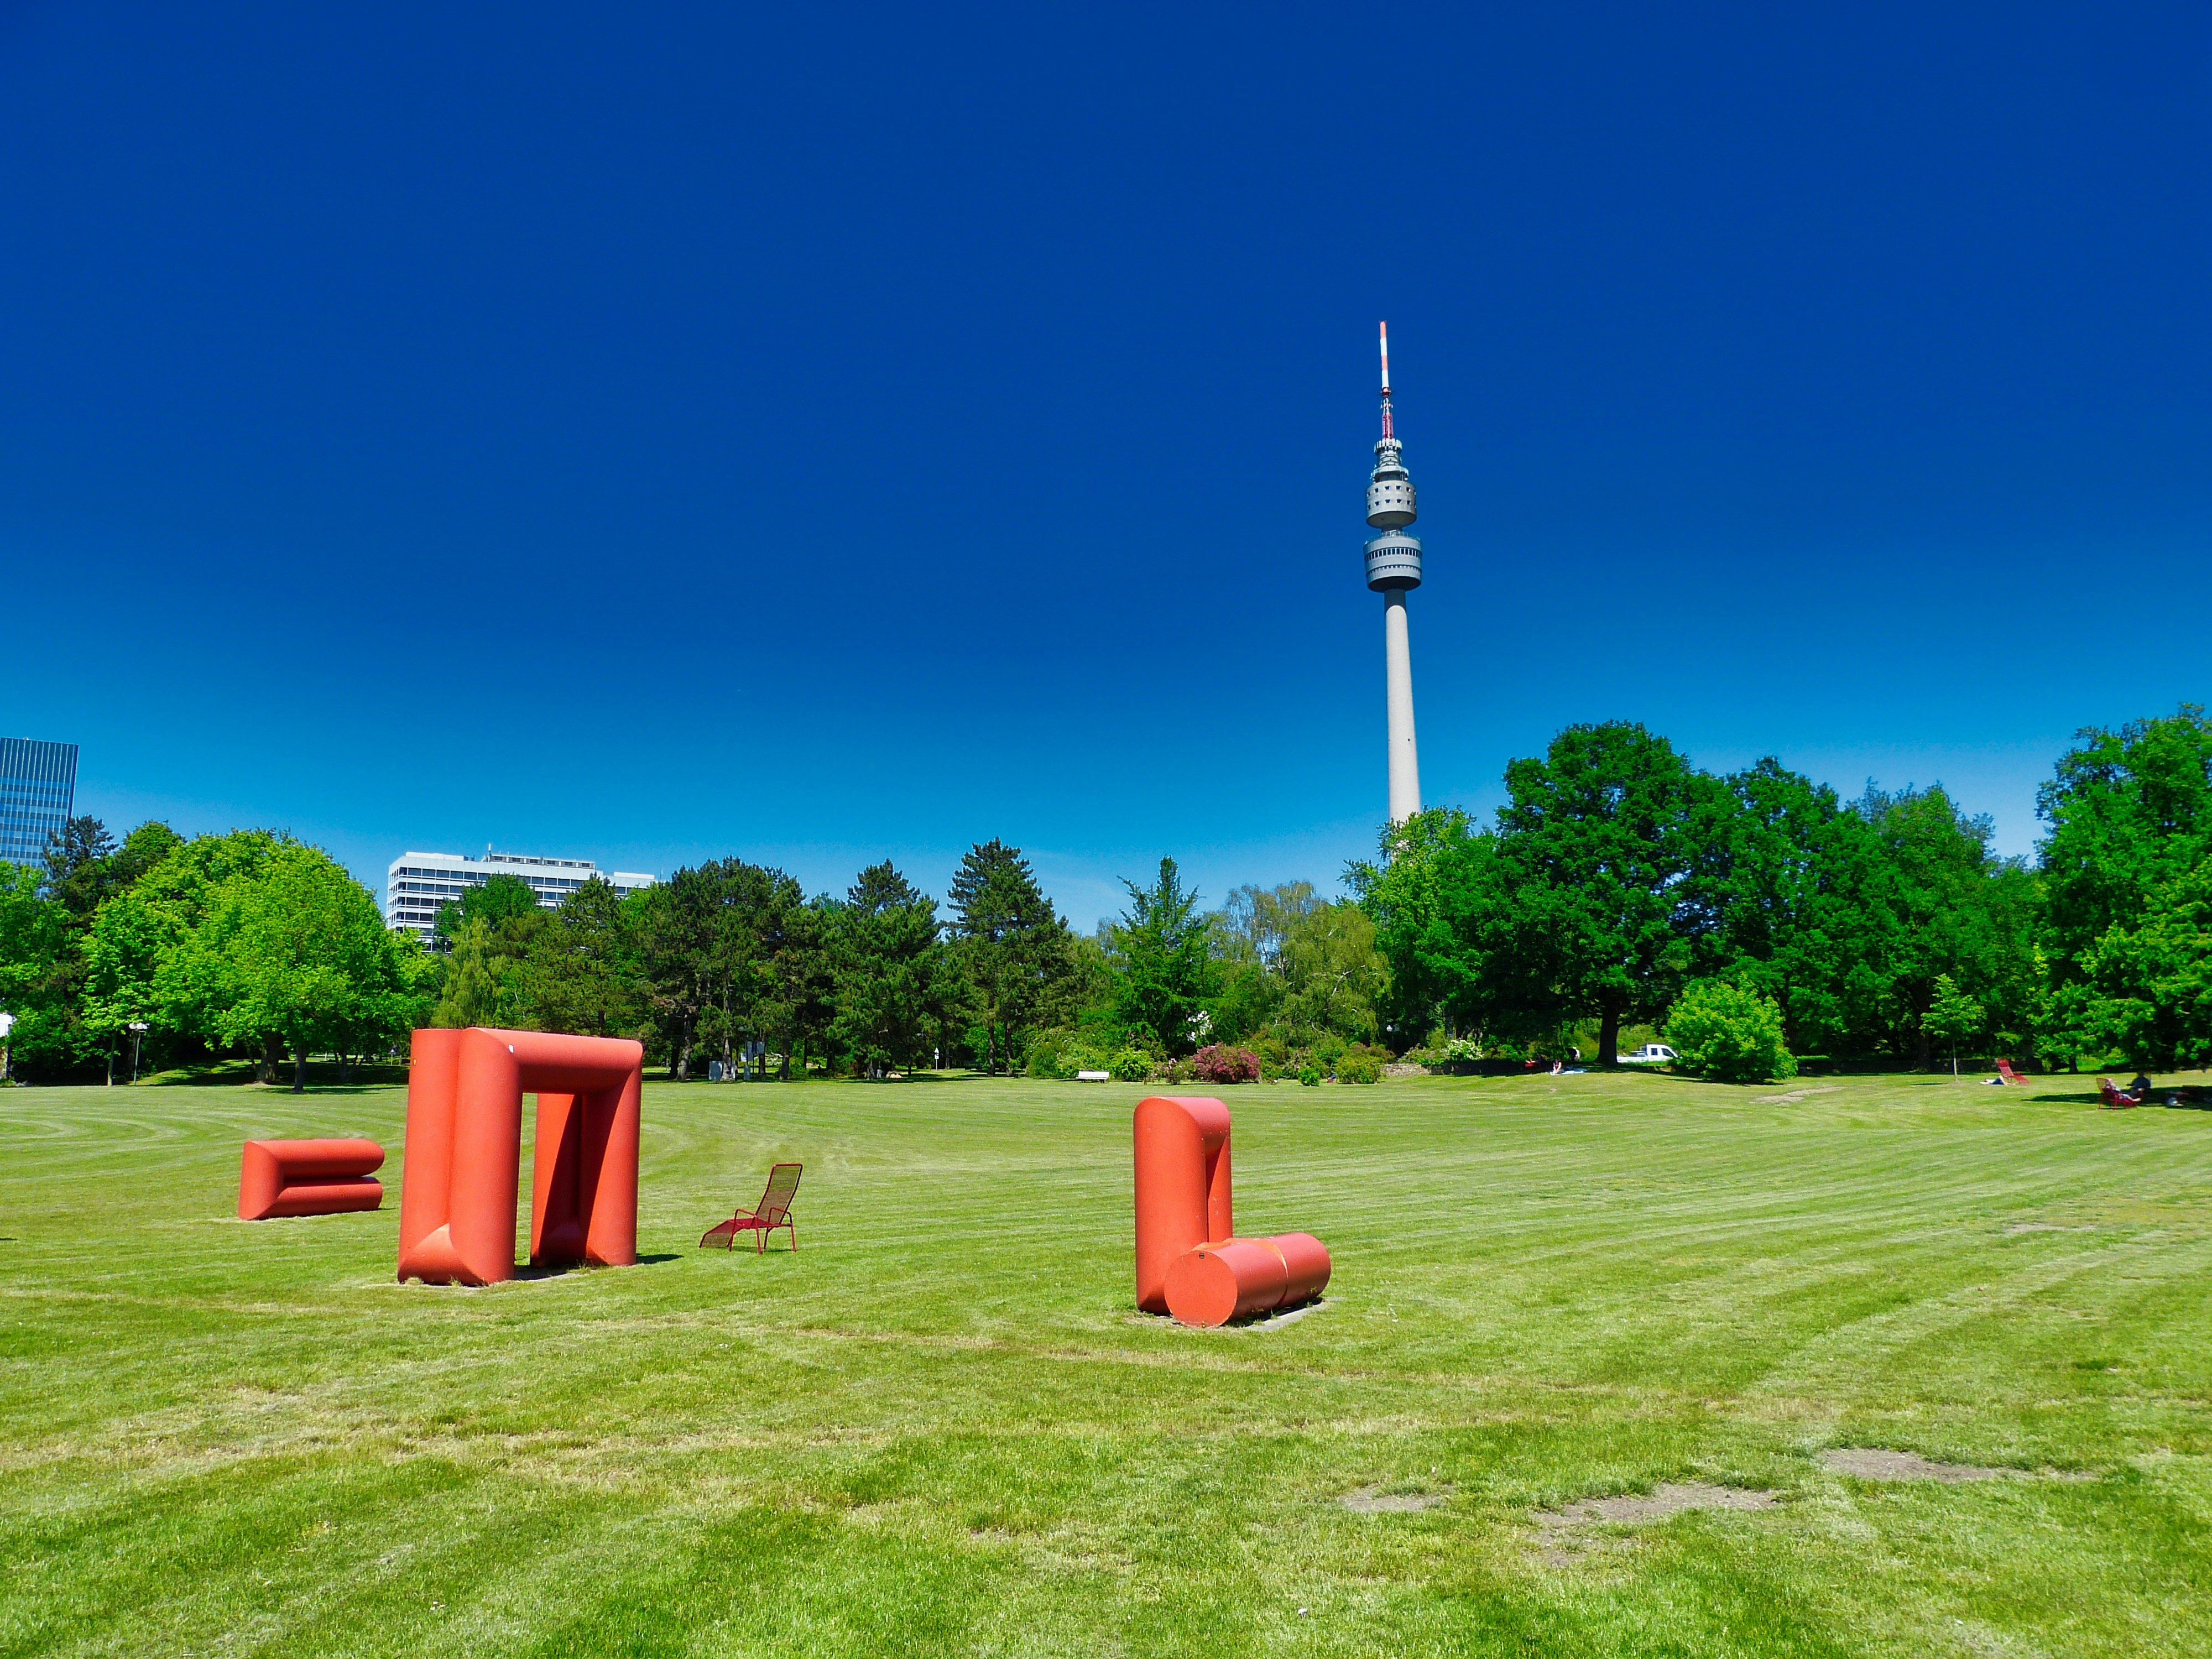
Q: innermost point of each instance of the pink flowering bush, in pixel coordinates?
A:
(1218, 1062)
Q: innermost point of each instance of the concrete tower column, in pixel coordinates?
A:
(1394, 569)
(1398, 679)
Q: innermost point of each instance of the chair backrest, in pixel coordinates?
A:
(2006, 1071)
(2111, 1089)
(783, 1182)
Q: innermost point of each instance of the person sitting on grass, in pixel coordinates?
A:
(2141, 1087)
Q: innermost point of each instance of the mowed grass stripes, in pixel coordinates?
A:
(939, 1428)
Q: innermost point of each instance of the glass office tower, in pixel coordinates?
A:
(37, 790)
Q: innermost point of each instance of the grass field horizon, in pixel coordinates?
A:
(940, 1427)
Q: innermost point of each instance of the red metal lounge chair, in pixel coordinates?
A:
(2117, 1099)
(773, 1210)
(2006, 1071)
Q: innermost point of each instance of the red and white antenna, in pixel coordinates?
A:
(1384, 330)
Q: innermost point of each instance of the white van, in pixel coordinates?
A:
(1651, 1053)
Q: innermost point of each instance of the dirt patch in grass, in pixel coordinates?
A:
(2019, 1227)
(1876, 1463)
(1562, 1528)
(1373, 1500)
(1663, 1501)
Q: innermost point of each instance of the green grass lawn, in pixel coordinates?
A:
(941, 1429)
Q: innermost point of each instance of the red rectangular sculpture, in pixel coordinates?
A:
(462, 1167)
(308, 1177)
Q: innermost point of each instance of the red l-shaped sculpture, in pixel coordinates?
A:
(1190, 1261)
(462, 1168)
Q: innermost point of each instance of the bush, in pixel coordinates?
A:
(1218, 1062)
(1132, 1065)
(1732, 1035)
(1360, 1064)
(1310, 1074)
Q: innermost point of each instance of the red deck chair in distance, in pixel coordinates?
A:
(773, 1210)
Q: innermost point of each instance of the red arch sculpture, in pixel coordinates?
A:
(461, 1168)
(1190, 1261)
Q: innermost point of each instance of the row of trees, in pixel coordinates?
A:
(1617, 875)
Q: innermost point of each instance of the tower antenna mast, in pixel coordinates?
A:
(1394, 570)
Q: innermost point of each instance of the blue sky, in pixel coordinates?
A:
(818, 434)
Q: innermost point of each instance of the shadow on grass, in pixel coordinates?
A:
(531, 1274)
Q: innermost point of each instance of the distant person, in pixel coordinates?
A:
(2141, 1087)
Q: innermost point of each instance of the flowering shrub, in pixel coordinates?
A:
(1218, 1062)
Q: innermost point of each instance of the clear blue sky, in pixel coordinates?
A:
(831, 433)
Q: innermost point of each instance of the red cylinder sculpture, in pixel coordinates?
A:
(464, 1153)
(308, 1177)
(1182, 1186)
(1188, 1264)
(1217, 1283)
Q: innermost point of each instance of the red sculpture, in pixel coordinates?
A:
(464, 1153)
(308, 1177)
(1190, 1261)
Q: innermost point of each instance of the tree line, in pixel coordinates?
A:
(1617, 887)
(1617, 876)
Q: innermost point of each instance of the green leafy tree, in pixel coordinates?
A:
(2148, 990)
(1953, 1018)
(1730, 1034)
(35, 935)
(1331, 974)
(2130, 813)
(296, 952)
(1164, 972)
(1597, 839)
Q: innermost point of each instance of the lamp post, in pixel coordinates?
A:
(7, 1025)
(138, 1029)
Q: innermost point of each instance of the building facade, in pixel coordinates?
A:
(420, 884)
(38, 792)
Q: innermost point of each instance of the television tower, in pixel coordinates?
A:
(1394, 570)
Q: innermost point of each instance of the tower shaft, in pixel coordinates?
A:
(1398, 691)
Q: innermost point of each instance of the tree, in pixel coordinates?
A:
(1331, 974)
(1953, 1016)
(2130, 813)
(1009, 943)
(1164, 975)
(496, 900)
(2148, 985)
(296, 950)
(581, 975)
(887, 961)
(78, 876)
(1597, 839)
(1960, 911)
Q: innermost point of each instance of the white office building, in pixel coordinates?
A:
(420, 884)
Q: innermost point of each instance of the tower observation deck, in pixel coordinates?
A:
(1394, 570)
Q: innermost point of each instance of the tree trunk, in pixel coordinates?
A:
(1608, 1035)
(299, 1069)
(266, 1071)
